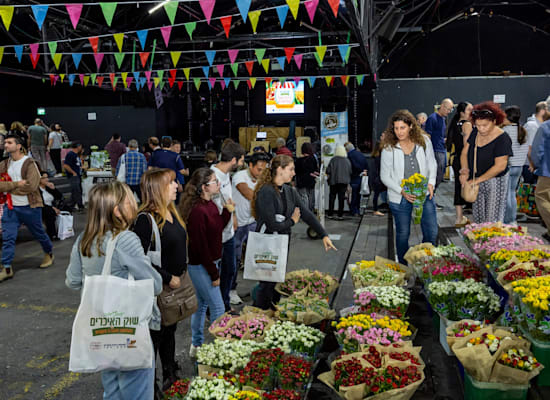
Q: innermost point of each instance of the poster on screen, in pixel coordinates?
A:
(499, 98)
(334, 132)
(284, 97)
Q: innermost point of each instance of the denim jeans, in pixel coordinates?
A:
(355, 195)
(208, 296)
(228, 271)
(511, 201)
(241, 236)
(76, 191)
(441, 159)
(402, 215)
(129, 385)
(12, 220)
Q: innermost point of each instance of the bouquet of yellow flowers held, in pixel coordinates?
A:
(416, 185)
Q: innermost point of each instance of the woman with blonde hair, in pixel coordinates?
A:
(339, 177)
(406, 150)
(17, 128)
(277, 206)
(111, 211)
(159, 190)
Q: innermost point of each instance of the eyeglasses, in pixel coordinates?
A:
(482, 114)
(215, 181)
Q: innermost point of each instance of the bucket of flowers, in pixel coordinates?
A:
(533, 296)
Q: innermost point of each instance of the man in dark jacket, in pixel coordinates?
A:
(358, 167)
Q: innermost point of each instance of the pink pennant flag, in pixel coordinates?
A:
(34, 49)
(148, 76)
(149, 85)
(74, 11)
(129, 80)
(233, 55)
(166, 31)
(81, 77)
(311, 7)
(212, 82)
(222, 82)
(98, 59)
(298, 60)
(55, 78)
(220, 68)
(297, 79)
(207, 7)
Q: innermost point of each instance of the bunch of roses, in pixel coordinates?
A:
(466, 328)
(293, 372)
(519, 359)
(392, 299)
(350, 372)
(395, 378)
(178, 390)
(282, 394)
(257, 372)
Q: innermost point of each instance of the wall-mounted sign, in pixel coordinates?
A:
(40, 111)
(499, 98)
(92, 116)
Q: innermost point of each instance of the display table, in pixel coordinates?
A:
(248, 134)
(93, 178)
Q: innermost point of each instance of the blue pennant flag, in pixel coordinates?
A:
(205, 70)
(360, 79)
(76, 59)
(343, 49)
(71, 79)
(227, 81)
(311, 81)
(282, 12)
(138, 84)
(39, 12)
(136, 76)
(210, 54)
(244, 6)
(142, 36)
(18, 51)
(142, 81)
(281, 61)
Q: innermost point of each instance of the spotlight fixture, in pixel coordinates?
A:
(159, 5)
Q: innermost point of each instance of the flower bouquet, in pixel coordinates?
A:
(515, 365)
(304, 310)
(293, 372)
(462, 329)
(259, 372)
(210, 389)
(225, 355)
(307, 283)
(522, 271)
(416, 185)
(533, 296)
(475, 233)
(178, 390)
(246, 395)
(247, 326)
(417, 253)
(383, 300)
(294, 338)
(378, 273)
(282, 394)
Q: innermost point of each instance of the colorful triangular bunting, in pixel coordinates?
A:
(253, 82)
(232, 53)
(289, 51)
(220, 68)
(334, 4)
(57, 59)
(39, 12)
(119, 57)
(259, 54)
(175, 57)
(210, 55)
(235, 69)
(281, 61)
(311, 8)
(18, 51)
(108, 11)
(249, 66)
(226, 23)
(207, 6)
(298, 60)
(205, 71)
(265, 64)
(171, 9)
(244, 6)
(143, 57)
(166, 31)
(344, 50)
(119, 39)
(190, 28)
(142, 36)
(197, 82)
(98, 59)
(254, 18)
(293, 4)
(74, 11)
(282, 12)
(187, 71)
(94, 41)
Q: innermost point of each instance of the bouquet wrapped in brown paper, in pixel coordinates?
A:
(307, 283)
(248, 326)
(381, 272)
(461, 329)
(515, 364)
(418, 252)
(517, 272)
(304, 310)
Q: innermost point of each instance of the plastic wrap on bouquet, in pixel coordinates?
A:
(416, 185)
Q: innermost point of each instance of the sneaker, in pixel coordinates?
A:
(193, 350)
(6, 273)
(47, 261)
(439, 206)
(378, 214)
(234, 298)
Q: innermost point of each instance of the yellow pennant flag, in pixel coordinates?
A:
(254, 16)
(62, 76)
(321, 50)
(57, 59)
(1, 54)
(157, 81)
(253, 82)
(124, 75)
(175, 57)
(186, 71)
(119, 39)
(293, 5)
(265, 64)
(86, 80)
(328, 79)
(6, 12)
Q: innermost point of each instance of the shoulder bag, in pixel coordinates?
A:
(470, 191)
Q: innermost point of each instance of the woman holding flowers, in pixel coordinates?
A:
(494, 147)
(409, 170)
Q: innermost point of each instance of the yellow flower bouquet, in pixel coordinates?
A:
(416, 185)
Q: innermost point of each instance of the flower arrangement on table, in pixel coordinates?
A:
(384, 300)
(416, 185)
(533, 296)
(468, 299)
(304, 310)
(238, 327)
(307, 283)
(178, 390)
(210, 389)
(294, 338)
(227, 355)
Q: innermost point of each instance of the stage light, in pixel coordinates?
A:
(155, 8)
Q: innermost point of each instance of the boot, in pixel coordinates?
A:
(6, 273)
(47, 261)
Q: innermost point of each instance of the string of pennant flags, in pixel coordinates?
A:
(148, 81)
(207, 6)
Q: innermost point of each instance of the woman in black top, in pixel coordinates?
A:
(458, 132)
(494, 147)
(279, 207)
(159, 190)
(307, 169)
(374, 177)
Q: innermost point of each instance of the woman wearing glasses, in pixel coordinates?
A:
(204, 226)
(494, 147)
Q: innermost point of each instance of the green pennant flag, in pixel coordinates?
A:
(1, 54)
(318, 59)
(93, 76)
(236, 83)
(235, 68)
(197, 82)
(259, 54)
(119, 57)
(282, 79)
(160, 74)
(119, 39)
(265, 64)
(321, 50)
(190, 28)
(253, 82)
(186, 71)
(171, 8)
(57, 59)
(53, 47)
(175, 57)
(108, 11)
(162, 83)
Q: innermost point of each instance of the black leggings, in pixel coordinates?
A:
(164, 342)
(49, 217)
(340, 190)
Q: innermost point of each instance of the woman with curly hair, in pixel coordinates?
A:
(406, 150)
(494, 147)
(204, 226)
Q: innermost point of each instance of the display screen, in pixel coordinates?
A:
(284, 98)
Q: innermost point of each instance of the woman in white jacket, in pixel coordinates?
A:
(407, 150)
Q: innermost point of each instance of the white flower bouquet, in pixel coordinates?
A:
(294, 338)
(227, 355)
(213, 389)
(383, 300)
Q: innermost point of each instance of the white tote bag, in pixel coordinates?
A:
(266, 256)
(111, 327)
(64, 223)
(121, 176)
(365, 190)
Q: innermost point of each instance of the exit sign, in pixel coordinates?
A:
(40, 111)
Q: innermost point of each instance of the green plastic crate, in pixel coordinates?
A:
(541, 351)
(474, 390)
